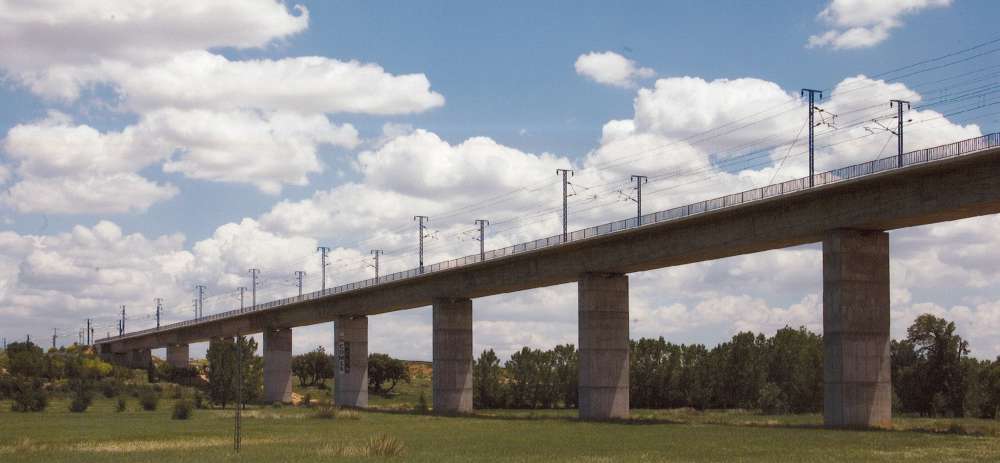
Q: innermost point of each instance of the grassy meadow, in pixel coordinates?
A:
(298, 434)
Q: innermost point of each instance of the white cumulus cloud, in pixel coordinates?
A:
(865, 23)
(610, 68)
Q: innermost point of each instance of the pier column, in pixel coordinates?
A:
(178, 355)
(452, 366)
(856, 373)
(351, 372)
(140, 359)
(278, 365)
(603, 336)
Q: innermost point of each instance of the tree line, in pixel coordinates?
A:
(932, 374)
(315, 367)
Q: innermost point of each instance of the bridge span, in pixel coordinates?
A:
(849, 210)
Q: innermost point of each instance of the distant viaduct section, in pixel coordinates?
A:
(850, 217)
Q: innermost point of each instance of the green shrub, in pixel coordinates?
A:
(772, 401)
(78, 405)
(182, 410)
(110, 387)
(7, 386)
(121, 405)
(80, 400)
(29, 396)
(148, 399)
(199, 400)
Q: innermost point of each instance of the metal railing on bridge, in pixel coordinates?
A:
(911, 158)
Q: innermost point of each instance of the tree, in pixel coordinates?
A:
(907, 394)
(222, 370)
(745, 370)
(939, 353)
(487, 381)
(383, 369)
(992, 386)
(564, 364)
(29, 396)
(26, 359)
(313, 368)
(696, 377)
(532, 378)
(795, 366)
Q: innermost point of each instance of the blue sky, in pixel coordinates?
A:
(504, 68)
(515, 106)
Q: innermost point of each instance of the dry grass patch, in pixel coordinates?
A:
(347, 414)
(22, 445)
(378, 445)
(271, 415)
(329, 412)
(161, 445)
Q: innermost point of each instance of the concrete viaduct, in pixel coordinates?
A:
(849, 210)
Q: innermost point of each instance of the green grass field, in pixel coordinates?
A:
(293, 434)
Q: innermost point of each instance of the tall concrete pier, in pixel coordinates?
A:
(141, 358)
(178, 355)
(452, 356)
(856, 375)
(278, 365)
(603, 332)
(351, 370)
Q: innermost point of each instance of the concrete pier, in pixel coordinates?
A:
(141, 359)
(178, 355)
(351, 370)
(856, 371)
(278, 365)
(452, 356)
(603, 336)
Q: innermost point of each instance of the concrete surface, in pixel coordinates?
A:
(452, 356)
(603, 338)
(856, 373)
(278, 365)
(351, 369)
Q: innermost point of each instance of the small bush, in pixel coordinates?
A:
(78, 405)
(81, 400)
(7, 386)
(148, 399)
(121, 405)
(383, 445)
(199, 400)
(29, 397)
(182, 410)
(110, 388)
(277, 404)
(772, 400)
(421, 406)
